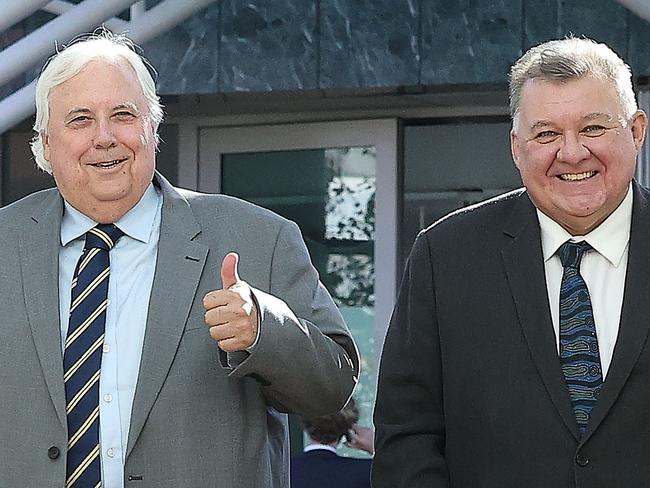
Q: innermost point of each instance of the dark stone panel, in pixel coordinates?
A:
(369, 43)
(167, 158)
(268, 45)
(186, 57)
(541, 22)
(469, 42)
(602, 20)
(639, 54)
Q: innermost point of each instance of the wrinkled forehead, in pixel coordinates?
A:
(537, 91)
(100, 80)
(586, 98)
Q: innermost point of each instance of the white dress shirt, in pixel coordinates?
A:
(317, 446)
(133, 262)
(603, 271)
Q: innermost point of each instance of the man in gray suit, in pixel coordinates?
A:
(163, 368)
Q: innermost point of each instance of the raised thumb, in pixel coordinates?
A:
(229, 274)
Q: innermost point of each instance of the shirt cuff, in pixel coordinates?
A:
(253, 346)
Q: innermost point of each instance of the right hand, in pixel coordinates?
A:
(230, 311)
(362, 438)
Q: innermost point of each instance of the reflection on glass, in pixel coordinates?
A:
(350, 208)
(351, 278)
(330, 194)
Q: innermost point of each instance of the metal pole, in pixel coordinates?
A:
(639, 7)
(22, 55)
(138, 9)
(161, 18)
(60, 7)
(17, 106)
(13, 12)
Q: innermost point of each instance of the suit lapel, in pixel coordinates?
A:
(523, 262)
(179, 266)
(39, 262)
(635, 312)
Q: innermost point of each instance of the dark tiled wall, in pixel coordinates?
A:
(287, 45)
(639, 45)
(186, 58)
(368, 43)
(268, 45)
(469, 42)
(603, 20)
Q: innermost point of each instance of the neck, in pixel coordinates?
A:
(334, 444)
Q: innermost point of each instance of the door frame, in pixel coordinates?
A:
(215, 141)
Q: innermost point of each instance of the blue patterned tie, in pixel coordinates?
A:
(579, 353)
(83, 356)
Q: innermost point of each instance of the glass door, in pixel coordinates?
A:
(337, 181)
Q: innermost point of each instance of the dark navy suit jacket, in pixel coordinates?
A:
(471, 391)
(321, 468)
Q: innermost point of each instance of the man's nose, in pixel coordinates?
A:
(572, 149)
(104, 137)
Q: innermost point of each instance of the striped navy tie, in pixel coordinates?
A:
(83, 356)
(579, 352)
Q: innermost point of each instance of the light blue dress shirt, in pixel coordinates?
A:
(132, 262)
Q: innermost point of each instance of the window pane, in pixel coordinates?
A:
(330, 194)
(450, 165)
(20, 176)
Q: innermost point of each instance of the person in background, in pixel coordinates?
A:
(151, 337)
(518, 353)
(319, 466)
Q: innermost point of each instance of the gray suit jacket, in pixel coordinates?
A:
(196, 422)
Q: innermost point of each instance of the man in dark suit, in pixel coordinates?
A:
(320, 466)
(151, 337)
(517, 354)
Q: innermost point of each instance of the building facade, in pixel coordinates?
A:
(362, 120)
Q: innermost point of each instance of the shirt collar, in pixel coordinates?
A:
(137, 223)
(609, 239)
(313, 447)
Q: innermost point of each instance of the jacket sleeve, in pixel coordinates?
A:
(409, 413)
(305, 358)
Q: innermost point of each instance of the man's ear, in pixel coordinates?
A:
(46, 146)
(514, 147)
(639, 127)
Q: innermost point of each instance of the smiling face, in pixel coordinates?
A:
(99, 140)
(575, 150)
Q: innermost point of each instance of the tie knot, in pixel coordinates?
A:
(571, 253)
(103, 236)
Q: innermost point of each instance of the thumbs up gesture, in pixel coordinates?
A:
(230, 312)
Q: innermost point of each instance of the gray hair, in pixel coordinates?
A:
(68, 62)
(570, 59)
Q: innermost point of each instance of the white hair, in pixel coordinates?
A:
(67, 63)
(571, 59)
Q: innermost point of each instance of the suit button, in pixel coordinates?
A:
(53, 452)
(582, 460)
